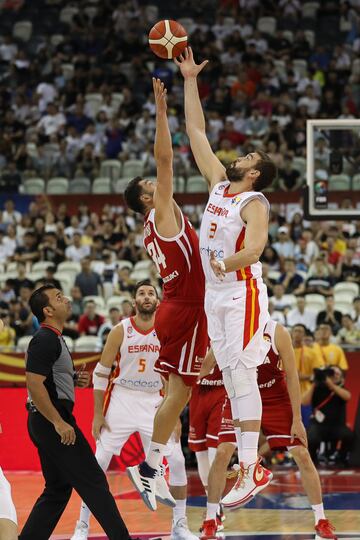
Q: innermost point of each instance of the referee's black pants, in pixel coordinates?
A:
(66, 467)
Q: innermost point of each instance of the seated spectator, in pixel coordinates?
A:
(5, 252)
(50, 277)
(301, 315)
(227, 153)
(77, 306)
(28, 252)
(330, 315)
(10, 215)
(21, 280)
(289, 178)
(89, 282)
(275, 315)
(271, 257)
(127, 309)
(284, 246)
(348, 334)
(7, 292)
(256, 125)
(356, 311)
(330, 352)
(113, 320)
(265, 276)
(76, 251)
(10, 178)
(307, 359)
(290, 279)
(50, 249)
(90, 322)
(51, 123)
(281, 301)
(7, 335)
(327, 397)
(123, 282)
(318, 281)
(346, 269)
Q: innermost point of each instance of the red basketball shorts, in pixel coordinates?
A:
(205, 416)
(275, 423)
(182, 332)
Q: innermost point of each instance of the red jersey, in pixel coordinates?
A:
(271, 377)
(213, 379)
(177, 260)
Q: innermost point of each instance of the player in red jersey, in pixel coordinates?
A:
(205, 410)
(180, 321)
(281, 423)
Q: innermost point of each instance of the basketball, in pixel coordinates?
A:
(167, 39)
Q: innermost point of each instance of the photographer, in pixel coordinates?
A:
(327, 397)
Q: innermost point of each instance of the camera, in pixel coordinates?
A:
(320, 374)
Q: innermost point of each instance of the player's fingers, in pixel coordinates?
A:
(189, 51)
(212, 255)
(176, 61)
(181, 57)
(203, 64)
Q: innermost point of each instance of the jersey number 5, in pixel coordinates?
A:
(156, 254)
(142, 365)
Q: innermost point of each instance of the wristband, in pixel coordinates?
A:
(101, 382)
(222, 265)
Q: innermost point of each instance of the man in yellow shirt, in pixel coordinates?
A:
(330, 353)
(307, 359)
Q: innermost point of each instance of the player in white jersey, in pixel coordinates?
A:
(8, 520)
(126, 399)
(233, 234)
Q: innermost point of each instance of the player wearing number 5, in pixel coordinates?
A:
(125, 399)
(180, 320)
(233, 234)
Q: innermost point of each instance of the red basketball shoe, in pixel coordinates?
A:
(325, 529)
(208, 530)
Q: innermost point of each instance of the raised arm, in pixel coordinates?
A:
(256, 217)
(287, 355)
(209, 165)
(167, 215)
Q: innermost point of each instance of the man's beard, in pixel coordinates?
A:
(234, 174)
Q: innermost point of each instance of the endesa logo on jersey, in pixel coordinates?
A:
(147, 347)
(219, 253)
(139, 384)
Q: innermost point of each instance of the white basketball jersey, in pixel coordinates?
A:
(223, 231)
(138, 354)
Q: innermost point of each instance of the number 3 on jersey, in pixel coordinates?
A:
(156, 254)
(212, 229)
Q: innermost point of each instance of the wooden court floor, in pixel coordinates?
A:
(280, 512)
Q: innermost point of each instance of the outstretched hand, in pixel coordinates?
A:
(187, 64)
(160, 95)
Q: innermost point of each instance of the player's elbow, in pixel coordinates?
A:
(254, 255)
(164, 159)
(193, 130)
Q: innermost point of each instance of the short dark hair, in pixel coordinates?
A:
(268, 171)
(299, 325)
(114, 308)
(132, 195)
(40, 300)
(146, 282)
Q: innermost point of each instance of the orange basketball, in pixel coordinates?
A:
(167, 39)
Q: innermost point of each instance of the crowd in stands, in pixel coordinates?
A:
(70, 100)
(312, 270)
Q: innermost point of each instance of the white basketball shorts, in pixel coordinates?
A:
(128, 411)
(7, 508)
(237, 314)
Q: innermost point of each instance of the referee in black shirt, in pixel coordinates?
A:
(67, 460)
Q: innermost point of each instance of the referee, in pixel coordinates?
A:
(67, 460)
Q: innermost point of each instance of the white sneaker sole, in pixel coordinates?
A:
(166, 502)
(317, 537)
(242, 502)
(134, 475)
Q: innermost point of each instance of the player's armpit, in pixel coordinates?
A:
(112, 345)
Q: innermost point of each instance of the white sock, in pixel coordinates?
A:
(249, 446)
(84, 514)
(211, 509)
(180, 510)
(238, 442)
(318, 510)
(155, 454)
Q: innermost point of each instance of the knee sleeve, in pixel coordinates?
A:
(246, 400)
(238, 382)
(103, 457)
(211, 454)
(177, 472)
(203, 466)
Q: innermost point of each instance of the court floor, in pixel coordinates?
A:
(281, 512)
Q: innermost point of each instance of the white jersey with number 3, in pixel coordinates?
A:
(138, 354)
(223, 231)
